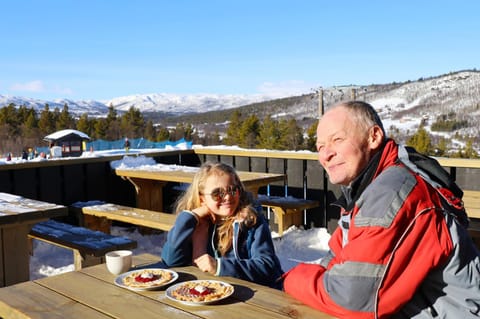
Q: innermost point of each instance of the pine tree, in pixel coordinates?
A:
(291, 135)
(10, 119)
(469, 151)
(56, 116)
(113, 131)
(46, 122)
(162, 135)
(269, 134)
(188, 132)
(132, 123)
(233, 131)
(311, 140)
(421, 141)
(178, 132)
(100, 129)
(150, 133)
(112, 114)
(23, 113)
(84, 125)
(249, 132)
(441, 148)
(65, 120)
(30, 127)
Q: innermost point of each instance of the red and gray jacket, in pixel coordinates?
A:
(396, 253)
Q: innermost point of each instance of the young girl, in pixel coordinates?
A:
(219, 229)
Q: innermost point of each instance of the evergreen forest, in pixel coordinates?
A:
(22, 128)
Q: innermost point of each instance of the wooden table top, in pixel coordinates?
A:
(185, 174)
(91, 293)
(17, 215)
(17, 209)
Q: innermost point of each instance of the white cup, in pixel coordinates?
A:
(118, 261)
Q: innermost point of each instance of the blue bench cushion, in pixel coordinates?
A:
(88, 241)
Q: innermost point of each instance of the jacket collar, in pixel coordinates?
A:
(386, 156)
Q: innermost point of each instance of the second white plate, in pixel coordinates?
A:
(228, 291)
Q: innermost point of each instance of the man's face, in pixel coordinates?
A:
(343, 147)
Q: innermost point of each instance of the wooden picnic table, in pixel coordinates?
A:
(149, 183)
(91, 293)
(17, 216)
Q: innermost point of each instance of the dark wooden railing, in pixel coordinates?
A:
(91, 178)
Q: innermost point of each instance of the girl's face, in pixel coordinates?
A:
(221, 195)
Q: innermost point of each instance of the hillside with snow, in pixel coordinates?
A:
(402, 106)
(409, 103)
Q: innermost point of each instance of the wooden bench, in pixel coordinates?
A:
(471, 201)
(288, 210)
(474, 231)
(89, 246)
(106, 213)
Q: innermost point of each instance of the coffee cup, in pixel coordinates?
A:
(118, 261)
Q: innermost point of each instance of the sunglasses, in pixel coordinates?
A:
(218, 194)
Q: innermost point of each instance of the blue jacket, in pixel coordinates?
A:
(252, 256)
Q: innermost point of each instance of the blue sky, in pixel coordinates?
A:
(99, 49)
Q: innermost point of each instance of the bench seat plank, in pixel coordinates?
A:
(135, 216)
(89, 246)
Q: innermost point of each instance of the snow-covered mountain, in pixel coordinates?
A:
(172, 104)
(179, 104)
(400, 105)
(92, 107)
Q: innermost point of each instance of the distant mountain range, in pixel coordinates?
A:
(171, 104)
(401, 105)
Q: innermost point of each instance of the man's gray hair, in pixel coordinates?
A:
(364, 114)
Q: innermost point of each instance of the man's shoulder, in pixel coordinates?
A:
(392, 179)
(383, 198)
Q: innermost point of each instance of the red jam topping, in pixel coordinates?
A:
(141, 278)
(200, 291)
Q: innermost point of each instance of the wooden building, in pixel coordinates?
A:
(71, 142)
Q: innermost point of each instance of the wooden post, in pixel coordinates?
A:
(321, 108)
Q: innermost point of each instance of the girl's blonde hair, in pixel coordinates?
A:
(191, 200)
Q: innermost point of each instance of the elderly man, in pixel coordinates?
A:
(396, 253)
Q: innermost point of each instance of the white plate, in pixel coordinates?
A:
(170, 290)
(119, 279)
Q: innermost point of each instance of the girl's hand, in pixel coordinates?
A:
(206, 263)
(200, 240)
(203, 212)
(200, 235)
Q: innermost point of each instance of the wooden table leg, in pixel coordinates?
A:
(149, 193)
(253, 190)
(14, 255)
